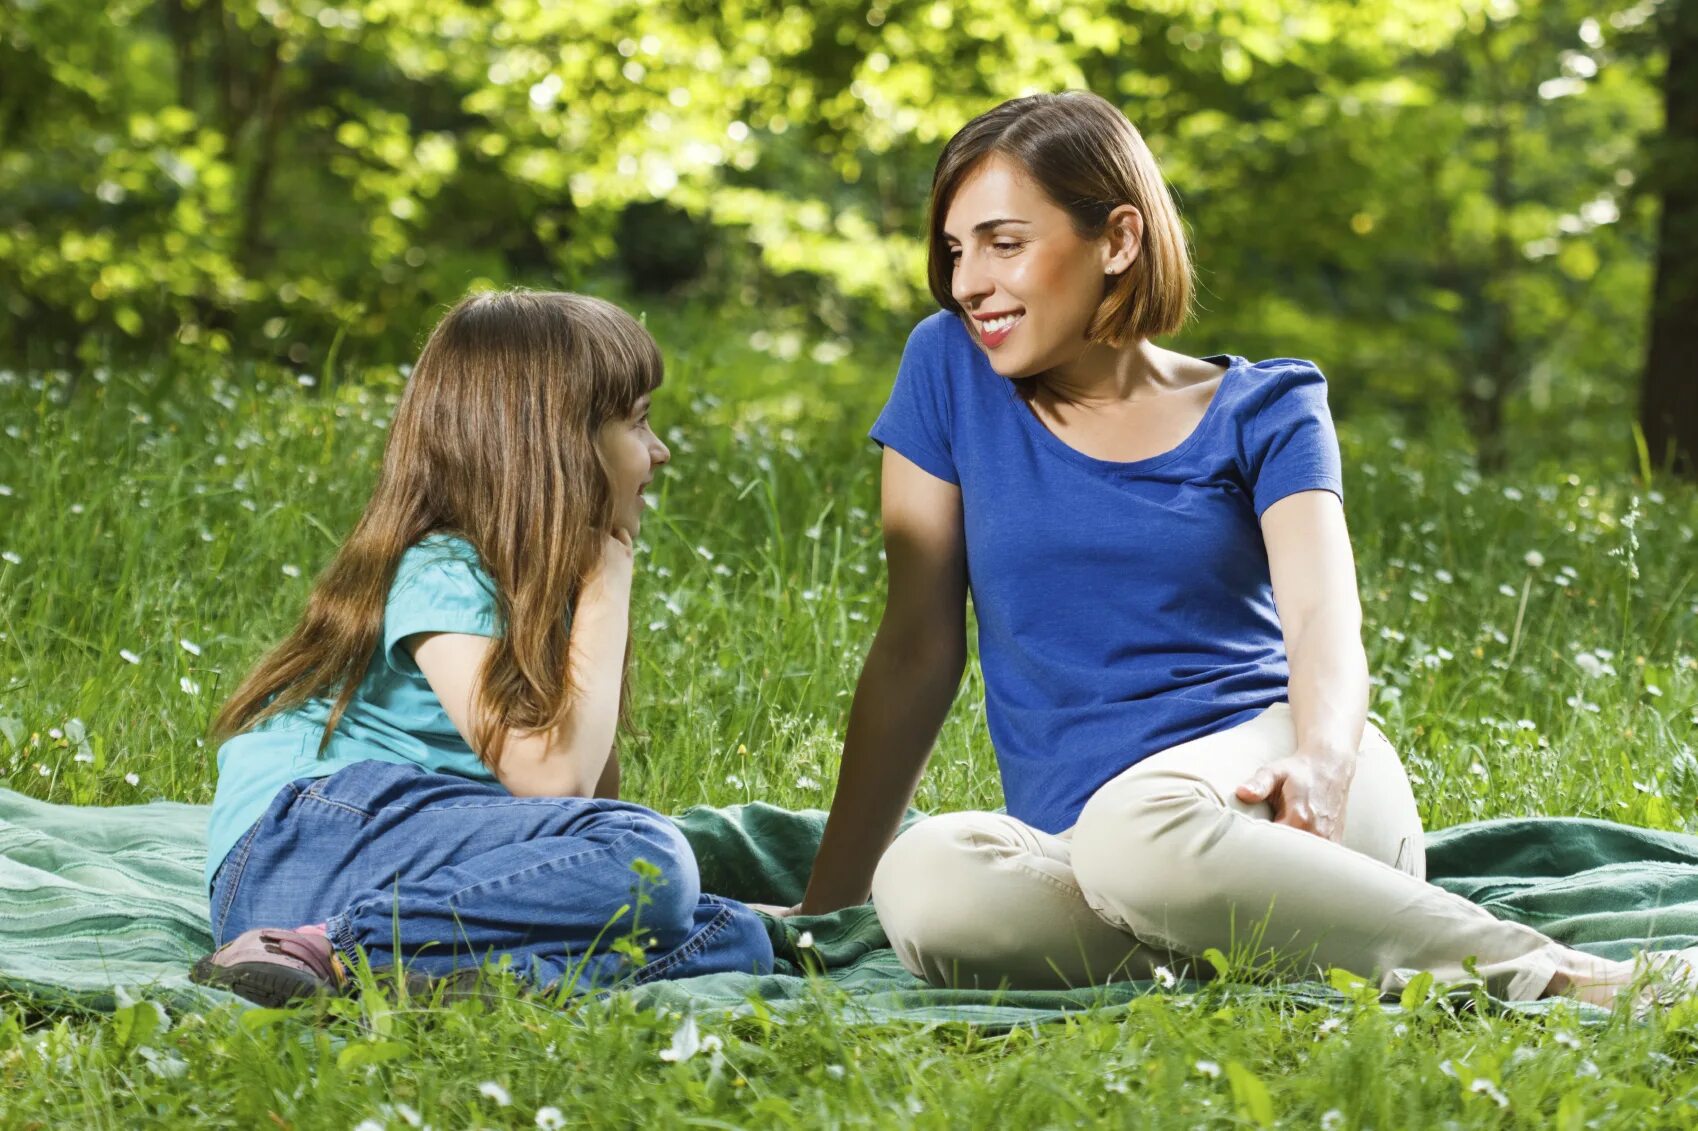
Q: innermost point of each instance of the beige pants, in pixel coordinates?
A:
(1165, 862)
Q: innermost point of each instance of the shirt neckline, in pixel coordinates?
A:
(1055, 443)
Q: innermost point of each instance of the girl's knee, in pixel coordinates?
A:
(665, 879)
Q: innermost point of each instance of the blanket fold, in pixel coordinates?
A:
(94, 899)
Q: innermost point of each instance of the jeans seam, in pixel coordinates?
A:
(239, 861)
(458, 894)
(691, 947)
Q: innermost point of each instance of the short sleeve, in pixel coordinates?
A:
(1290, 444)
(916, 419)
(439, 587)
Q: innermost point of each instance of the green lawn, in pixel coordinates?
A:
(1532, 638)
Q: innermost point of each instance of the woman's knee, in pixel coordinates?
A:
(927, 888)
(1134, 844)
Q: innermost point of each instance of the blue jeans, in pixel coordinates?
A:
(441, 873)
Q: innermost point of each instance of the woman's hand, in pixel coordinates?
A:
(774, 910)
(1307, 791)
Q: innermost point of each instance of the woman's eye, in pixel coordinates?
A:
(1006, 246)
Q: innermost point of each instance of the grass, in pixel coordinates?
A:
(1532, 638)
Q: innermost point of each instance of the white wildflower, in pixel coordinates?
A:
(835, 1071)
(1332, 1120)
(291, 570)
(189, 646)
(490, 1090)
(550, 1119)
(133, 778)
(370, 1125)
(128, 656)
(9, 556)
(1165, 978)
(1534, 558)
(1208, 1068)
(806, 782)
(1487, 1088)
(805, 940)
(687, 1042)
(1507, 590)
(189, 686)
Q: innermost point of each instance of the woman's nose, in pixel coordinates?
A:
(969, 283)
(659, 453)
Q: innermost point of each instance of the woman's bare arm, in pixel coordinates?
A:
(907, 682)
(1314, 582)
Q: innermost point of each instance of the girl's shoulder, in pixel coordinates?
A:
(436, 562)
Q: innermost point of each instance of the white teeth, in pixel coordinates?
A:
(996, 325)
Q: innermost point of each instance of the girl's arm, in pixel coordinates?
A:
(907, 682)
(1314, 583)
(608, 787)
(570, 760)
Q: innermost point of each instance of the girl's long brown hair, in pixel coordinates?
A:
(493, 441)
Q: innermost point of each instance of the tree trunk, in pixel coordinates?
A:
(1668, 392)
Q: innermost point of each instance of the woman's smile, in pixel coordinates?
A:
(995, 328)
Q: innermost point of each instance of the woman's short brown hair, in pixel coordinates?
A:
(1090, 160)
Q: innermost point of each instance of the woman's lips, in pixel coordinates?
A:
(993, 338)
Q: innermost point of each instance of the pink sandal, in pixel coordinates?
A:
(273, 967)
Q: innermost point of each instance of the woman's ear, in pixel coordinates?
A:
(1122, 236)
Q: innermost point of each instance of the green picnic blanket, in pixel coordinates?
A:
(100, 903)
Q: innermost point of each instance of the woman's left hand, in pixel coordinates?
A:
(1307, 791)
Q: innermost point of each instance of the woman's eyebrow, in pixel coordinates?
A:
(984, 226)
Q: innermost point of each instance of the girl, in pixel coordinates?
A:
(424, 769)
(1185, 767)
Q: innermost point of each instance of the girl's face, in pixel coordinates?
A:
(1028, 282)
(630, 451)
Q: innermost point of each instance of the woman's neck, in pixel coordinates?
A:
(1109, 375)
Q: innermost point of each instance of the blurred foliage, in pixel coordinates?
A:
(1435, 200)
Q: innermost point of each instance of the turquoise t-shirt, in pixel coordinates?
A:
(439, 586)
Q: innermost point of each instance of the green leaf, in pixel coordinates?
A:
(370, 1052)
(133, 1024)
(1415, 994)
(1250, 1095)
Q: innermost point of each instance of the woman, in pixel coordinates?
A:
(1184, 767)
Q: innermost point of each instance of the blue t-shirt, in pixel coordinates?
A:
(439, 586)
(1123, 607)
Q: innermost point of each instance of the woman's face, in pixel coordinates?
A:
(1028, 282)
(630, 451)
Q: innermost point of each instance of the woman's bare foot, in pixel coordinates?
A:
(1594, 980)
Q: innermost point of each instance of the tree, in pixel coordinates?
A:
(1668, 404)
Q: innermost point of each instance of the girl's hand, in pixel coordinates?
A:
(1306, 791)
